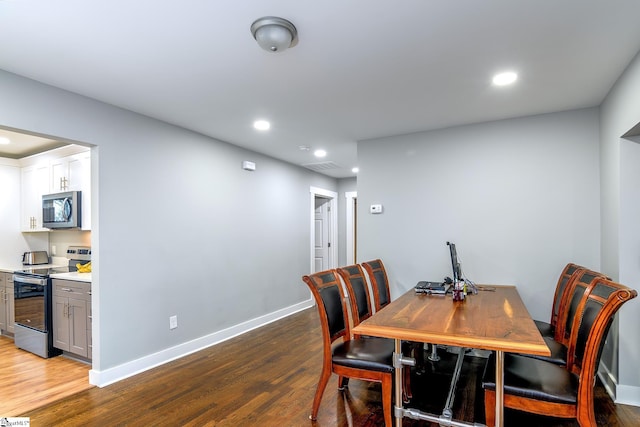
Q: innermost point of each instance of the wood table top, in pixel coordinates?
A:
(493, 319)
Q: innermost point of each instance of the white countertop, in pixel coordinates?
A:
(78, 277)
(10, 268)
(7, 268)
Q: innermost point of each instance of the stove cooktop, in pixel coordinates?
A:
(44, 271)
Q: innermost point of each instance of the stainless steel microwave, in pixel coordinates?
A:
(62, 210)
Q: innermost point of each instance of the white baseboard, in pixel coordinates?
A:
(128, 369)
(609, 381)
(622, 394)
(628, 395)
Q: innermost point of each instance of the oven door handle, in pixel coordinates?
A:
(28, 280)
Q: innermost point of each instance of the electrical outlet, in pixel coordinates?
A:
(173, 322)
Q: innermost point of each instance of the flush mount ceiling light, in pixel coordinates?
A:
(320, 153)
(274, 34)
(4, 140)
(504, 79)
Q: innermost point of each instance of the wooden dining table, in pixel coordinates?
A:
(493, 319)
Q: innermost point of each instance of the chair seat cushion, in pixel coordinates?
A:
(546, 330)
(534, 379)
(558, 352)
(370, 353)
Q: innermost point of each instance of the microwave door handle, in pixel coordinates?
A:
(66, 207)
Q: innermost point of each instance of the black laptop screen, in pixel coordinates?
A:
(455, 265)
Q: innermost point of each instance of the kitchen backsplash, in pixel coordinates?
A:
(60, 240)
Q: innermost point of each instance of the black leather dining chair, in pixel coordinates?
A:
(379, 282)
(359, 297)
(545, 388)
(360, 303)
(382, 297)
(579, 284)
(365, 358)
(548, 329)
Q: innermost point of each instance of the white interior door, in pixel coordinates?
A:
(324, 230)
(321, 234)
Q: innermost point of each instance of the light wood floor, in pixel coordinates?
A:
(28, 381)
(268, 377)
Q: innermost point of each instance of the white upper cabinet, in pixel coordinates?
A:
(73, 173)
(53, 174)
(35, 183)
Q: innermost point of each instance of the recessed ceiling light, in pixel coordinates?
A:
(4, 140)
(320, 153)
(504, 79)
(261, 125)
(355, 170)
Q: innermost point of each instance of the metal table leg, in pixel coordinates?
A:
(499, 387)
(448, 406)
(397, 403)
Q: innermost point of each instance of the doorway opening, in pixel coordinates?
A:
(323, 230)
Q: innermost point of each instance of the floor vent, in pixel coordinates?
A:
(321, 166)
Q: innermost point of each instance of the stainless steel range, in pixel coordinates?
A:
(33, 303)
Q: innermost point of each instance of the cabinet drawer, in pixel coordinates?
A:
(72, 289)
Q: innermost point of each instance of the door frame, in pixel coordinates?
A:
(332, 196)
(350, 226)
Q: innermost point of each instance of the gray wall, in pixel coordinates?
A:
(178, 227)
(620, 208)
(520, 198)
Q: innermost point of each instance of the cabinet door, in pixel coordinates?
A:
(78, 327)
(11, 308)
(89, 331)
(3, 308)
(60, 323)
(59, 175)
(73, 173)
(35, 183)
(10, 302)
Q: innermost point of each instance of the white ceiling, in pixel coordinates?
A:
(362, 68)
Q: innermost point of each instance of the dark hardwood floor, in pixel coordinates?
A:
(267, 377)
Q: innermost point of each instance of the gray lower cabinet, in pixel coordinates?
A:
(71, 317)
(7, 304)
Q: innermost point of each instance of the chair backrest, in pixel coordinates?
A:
(590, 328)
(568, 271)
(579, 285)
(327, 291)
(359, 298)
(379, 283)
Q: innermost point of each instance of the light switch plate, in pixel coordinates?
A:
(375, 209)
(173, 322)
